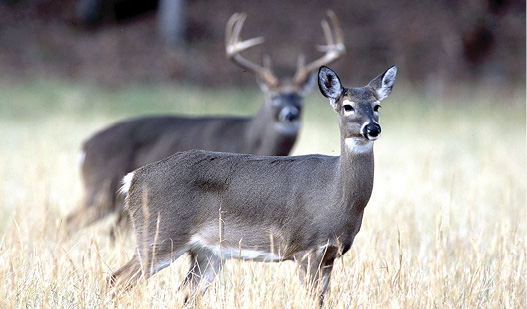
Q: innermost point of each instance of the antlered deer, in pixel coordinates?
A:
(217, 206)
(125, 146)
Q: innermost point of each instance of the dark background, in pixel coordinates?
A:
(434, 43)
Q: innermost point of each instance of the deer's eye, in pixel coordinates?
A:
(376, 108)
(348, 108)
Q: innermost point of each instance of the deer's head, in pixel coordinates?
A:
(283, 96)
(357, 108)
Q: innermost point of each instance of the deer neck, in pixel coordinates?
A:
(267, 136)
(356, 170)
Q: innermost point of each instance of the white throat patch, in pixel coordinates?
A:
(288, 128)
(358, 144)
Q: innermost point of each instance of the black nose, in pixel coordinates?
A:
(372, 130)
(289, 114)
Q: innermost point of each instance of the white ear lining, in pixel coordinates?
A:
(387, 83)
(383, 92)
(329, 83)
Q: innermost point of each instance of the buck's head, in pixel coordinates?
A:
(283, 96)
(357, 108)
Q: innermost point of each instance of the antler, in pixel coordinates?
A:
(233, 48)
(334, 49)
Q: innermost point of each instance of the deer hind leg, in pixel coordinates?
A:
(315, 271)
(138, 269)
(126, 277)
(98, 201)
(204, 267)
(122, 224)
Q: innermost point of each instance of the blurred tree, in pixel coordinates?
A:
(432, 42)
(94, 12)
(171, 18)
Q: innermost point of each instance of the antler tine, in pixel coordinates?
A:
(232, 35)
(229, 29)
(339, 37)
(233, 48)
(334, 49)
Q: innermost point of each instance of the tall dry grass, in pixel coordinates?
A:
(445, 227)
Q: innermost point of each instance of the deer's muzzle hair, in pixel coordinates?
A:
(217, 206)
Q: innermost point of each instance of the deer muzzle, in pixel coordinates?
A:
(371, 131)
(289, 114)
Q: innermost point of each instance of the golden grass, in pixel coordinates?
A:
(445, 227)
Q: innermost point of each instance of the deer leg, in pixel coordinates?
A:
(326, 268)
(122, 223)
(126, 276)
(204, 267)
(98, 202)
(309, 266)
(315, 271)
(138, 268)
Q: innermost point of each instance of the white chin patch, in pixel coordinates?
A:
(358, 144)
(288, 128)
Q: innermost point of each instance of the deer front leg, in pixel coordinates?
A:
(326, 267)
(315, 271)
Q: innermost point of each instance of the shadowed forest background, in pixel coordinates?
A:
(434, 43)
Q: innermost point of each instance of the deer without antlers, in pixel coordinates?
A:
(217, 206)
(110, 154)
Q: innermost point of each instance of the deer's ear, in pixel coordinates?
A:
(383, 83)
(329, 83)
(263, 86)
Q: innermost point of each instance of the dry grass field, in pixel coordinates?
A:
(445, 228)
